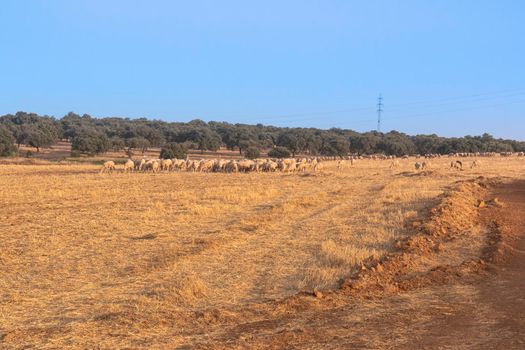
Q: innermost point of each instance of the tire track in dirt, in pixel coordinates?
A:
(466, 311)
(264, 245)
(499, 301)
(238, 243)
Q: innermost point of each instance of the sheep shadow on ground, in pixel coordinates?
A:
(144, 237)
(416, 174)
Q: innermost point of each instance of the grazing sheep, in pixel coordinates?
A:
(108, 167)
(301, 166)
(288, 165)
(475, 163)
(129, 166)
(256, 166)
(192, 165)
(260, 164)
(183, 165)
(165, 164)
(178, 164)
(205, 166)
(152, 165)
(156, 166)
(189, 165)
(139, 164)
(246, 165)
(317, 166)
(218, 165)
(231, 167)
(269, 166)
(280, 165)
(456, 164)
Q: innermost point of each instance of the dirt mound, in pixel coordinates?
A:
(426, 257)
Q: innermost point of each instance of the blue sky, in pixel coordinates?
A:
(447, 67)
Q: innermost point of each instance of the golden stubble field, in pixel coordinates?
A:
(108, 259)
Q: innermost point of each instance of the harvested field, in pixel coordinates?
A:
(188, 259)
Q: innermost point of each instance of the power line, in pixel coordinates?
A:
(399, 109)
(456, 102)
(463, 97)
(457, 110)
(366, 120)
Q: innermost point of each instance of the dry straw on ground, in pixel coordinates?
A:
(84, 256)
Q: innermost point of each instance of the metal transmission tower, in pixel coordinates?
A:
(379, 110)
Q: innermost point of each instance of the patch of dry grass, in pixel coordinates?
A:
(82, 253)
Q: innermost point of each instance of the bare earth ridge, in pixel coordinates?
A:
(479, 304)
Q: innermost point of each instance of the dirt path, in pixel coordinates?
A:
(497, 318)
(483, 313)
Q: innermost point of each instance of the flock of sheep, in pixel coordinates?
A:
(455, 164)
(287, 165)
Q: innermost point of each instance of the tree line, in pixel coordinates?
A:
(91, 136)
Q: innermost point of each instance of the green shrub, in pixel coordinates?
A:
(252, 153)
(279, 152)
(173, 150)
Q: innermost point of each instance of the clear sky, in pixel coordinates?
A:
(448, 67)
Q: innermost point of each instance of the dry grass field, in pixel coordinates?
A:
(127, 260)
